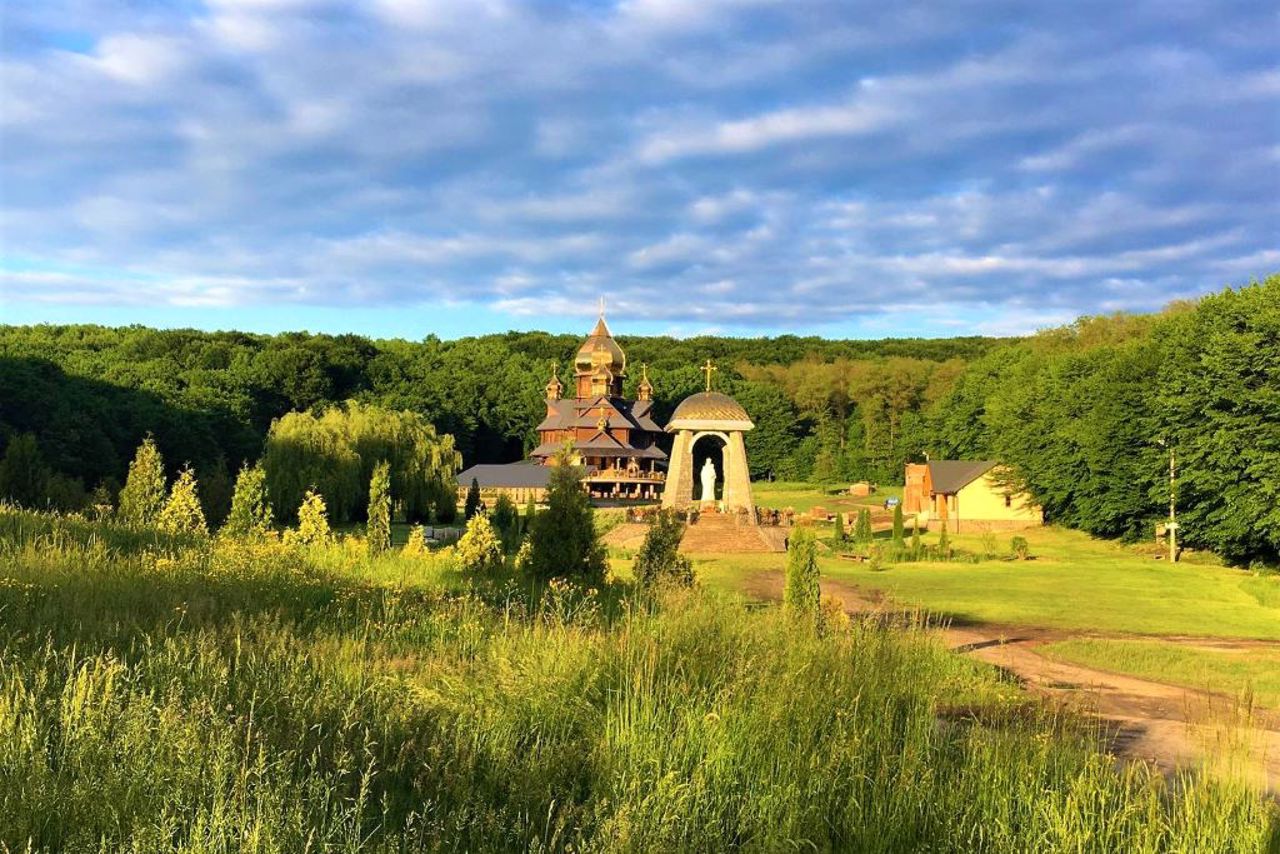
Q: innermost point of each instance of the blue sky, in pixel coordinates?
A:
(747, 167)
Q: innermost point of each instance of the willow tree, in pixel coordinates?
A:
(337, 450)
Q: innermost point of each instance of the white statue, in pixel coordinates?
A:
(708, 481)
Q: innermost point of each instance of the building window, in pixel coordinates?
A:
(1008, 501)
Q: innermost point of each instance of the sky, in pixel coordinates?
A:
(741, 167)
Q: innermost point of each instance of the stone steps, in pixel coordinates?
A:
(714, 533)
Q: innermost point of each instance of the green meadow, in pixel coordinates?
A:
(163, 693)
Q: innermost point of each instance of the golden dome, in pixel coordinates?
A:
(706, 406)
(601, 350)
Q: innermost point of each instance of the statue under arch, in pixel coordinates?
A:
(709, 413)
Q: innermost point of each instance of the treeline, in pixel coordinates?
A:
(1087, 416)
(1077, 412)
(90, 393)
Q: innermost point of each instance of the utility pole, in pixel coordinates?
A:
(1172, 526)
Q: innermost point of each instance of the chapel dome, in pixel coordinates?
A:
(600, 350)
(710, 410)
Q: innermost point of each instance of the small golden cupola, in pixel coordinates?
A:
(644, 391)
(554, 386)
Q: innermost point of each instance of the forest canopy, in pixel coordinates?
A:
(1079, 412)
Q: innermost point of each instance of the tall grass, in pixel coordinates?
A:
(255, 698)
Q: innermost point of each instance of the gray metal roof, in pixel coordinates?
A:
(514, 475)
(951, 476)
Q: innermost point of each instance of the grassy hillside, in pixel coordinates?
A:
(161, 693)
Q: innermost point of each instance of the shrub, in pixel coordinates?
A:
(182, 512)
(479, 549)
(915, 539)
(378, 526)
(1019, 547)
(898, 539)
(944, 542)
(800, 595)
(659, 561)
(838, 534)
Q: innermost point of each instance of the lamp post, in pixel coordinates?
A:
(1172, 526)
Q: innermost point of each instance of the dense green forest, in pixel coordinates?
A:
(1078, 411)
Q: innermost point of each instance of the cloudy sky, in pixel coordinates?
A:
(454, 166)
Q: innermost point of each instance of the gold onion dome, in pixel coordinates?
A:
(710, 406)
(600, 350)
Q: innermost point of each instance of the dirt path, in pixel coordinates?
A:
(1168, 725)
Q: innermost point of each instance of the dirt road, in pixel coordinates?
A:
(1168, 725)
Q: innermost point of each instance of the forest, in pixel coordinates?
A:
(1086, 414)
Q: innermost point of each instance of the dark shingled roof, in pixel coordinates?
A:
(951, 476)
(512, 475)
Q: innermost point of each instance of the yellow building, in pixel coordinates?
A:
(967, 496)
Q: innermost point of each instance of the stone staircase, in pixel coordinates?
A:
(721, 533)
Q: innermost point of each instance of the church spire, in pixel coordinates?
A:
(644, 391)
(554, 386)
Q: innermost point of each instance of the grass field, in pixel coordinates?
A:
(1074, 582)
(803, 497)
(1229, 671)
(161, 694)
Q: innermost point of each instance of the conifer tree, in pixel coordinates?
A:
(563, 538)
(378, 527)
(801, 595)
(479, 550)
(472, 507)
(313, 521)
(530, 510)
(24, 477)
(182, 513)
(251, 514)
(898, 539)
(416, 546)
(839, 534)
(915, 539)
(143, 495)
(506, 522)
(659, 560)
(862, 533)
(944, 542)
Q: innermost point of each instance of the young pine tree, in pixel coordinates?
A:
(898, 539)
(530, 510)
(915, 539)
(251, 515)
(944, 542)
(839, 534)
(313, 521)
(659, 561)
(143, 495)
(472, 506)
(506, 522)
(801, 596)
(182, 513)
(479, 550)
(563, 542)
(862, 533)
(378, 528)
(416, 546)
(23, 476)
